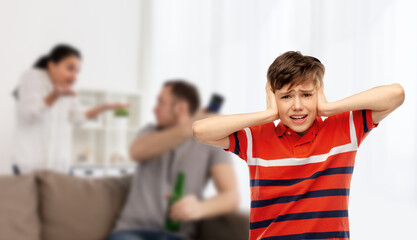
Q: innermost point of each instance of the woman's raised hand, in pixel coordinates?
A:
(116, 105)
(63, 91)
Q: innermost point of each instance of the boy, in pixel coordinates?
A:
(300, 170)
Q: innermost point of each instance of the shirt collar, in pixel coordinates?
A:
(281, 129)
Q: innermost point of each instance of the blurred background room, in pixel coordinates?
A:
(131, 47)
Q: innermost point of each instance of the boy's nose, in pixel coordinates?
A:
(297, 104)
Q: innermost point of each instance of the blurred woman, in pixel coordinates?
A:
(47, 109)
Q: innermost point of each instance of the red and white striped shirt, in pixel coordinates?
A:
(300, 184)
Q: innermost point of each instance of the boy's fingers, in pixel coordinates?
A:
(268, 86)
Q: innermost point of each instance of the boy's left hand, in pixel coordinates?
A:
(322, 104)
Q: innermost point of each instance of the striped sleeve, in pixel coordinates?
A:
(363, 123)
(238, 144)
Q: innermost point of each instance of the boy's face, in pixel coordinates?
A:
(297, 107)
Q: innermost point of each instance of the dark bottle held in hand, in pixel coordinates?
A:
(176, 195)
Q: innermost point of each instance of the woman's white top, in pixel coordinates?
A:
(43, 137)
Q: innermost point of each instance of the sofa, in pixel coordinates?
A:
(46, 205)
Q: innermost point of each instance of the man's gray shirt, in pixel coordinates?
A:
(154, 179)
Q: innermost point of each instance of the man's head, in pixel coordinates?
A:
(177, 102)
(295, 79)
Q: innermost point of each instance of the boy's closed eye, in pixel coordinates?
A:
(304, 95)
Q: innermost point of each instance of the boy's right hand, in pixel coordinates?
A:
(271, 102)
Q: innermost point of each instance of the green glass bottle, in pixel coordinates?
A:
(176, 195)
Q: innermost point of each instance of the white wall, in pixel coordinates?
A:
(107, 33)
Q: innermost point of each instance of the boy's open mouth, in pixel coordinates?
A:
(298, 117)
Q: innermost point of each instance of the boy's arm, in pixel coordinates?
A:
(158, 142)
(382, 100)
(216, 130)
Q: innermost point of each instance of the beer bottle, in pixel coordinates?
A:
(176, 195)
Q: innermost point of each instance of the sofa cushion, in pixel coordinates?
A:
(18, 208)
(79, 208)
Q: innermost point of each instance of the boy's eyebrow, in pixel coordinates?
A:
(287, 92)
(307, 90)
(301, 90)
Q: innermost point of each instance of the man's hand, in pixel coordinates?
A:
(271, 102)
(186, 209)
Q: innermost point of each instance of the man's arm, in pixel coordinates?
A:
(382, 100)
(215, 130)
(227, 200)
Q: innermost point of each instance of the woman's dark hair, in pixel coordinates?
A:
(58, 53)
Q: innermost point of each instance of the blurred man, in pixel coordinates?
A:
(164, 150)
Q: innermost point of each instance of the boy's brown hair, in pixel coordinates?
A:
(294, 68)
